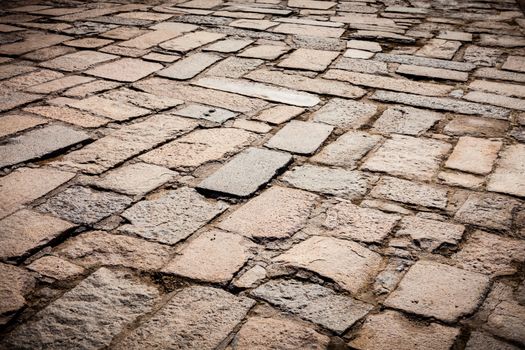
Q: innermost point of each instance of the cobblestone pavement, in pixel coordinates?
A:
(265, 174)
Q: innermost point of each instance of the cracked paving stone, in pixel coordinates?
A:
(196, 317)
(214, 256)
(83, 205)
(436, 290)
(347, 263)
(300, 137)
(16, 282)
(345, 113)
(125, 70)
(314, 303)
(509, 176)
(246, 173)
(142, 99)
(171, 216)
(278, 212)
(100, 307)
(26, 231)
(406, 120)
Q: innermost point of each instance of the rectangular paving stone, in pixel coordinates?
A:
(32, 42)
(125, 70)
(387, 83)
(265, 52)
(96, 303)
(59, 84)
(23, 82)
(68, 115)
(406, 120)
(409, 192)
(196, 317)
(514, 63)
(381, 35)
(315, 85)
(12, 100)
(78, 61)
(361, 66)
(300, 137)
(316, 60)
(429, 72)
(493, 73)
(490, 210)
(474, 155)
(107, 108)
(244, 174)
(233, 67)
(258, 90)
(189, 66)
(213, 114)
(430, 234)
(171, 217)
(150, 39)
(496, 100)
(142, 99)
(298, 29)
(311, 4)
(13, 123)
(279, 114)
(254, 24)
(191, 41)
(38, 143)
(424, 61)
(439, 48)
(509, 176)
(514, 90)
(345, 113)
(228, 45)
(441, 103)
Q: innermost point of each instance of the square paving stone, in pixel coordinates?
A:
(172, 216)
(316, 60)
(214, 256)
(436, 290)
(300, 137)
(83, 205)
(314, 303)
(278, 212)
(246, 173)
(474, 155)
(410, 157)
(390, 330)
(349, 264)
(125, 70)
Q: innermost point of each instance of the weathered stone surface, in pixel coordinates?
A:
(424, 61)
(300, 137)
(298, 29)
(91, 88)
(98, 248)
(493, 73)
(26, 230)
(476, 126)
(361, 66)
(278, 212)
(95, 306)
(250, 278)
(514, 63)
(483, 341)
(190, 66)
(334, 181)
(260, 333)
(59, 269)
(82, 205)
(435, 290)
(429, 72)
(126, 70)
(474, 155)
(406, 120)
(31, 42)
(265, 52)
(199, 147)
(39, 143)
(349, 264)
(12, 100)
(191, 41)
(116, 110)
(251, 125)
(507, 321)
(15, 282)
(411, 192)
(13, 123)
(279, 114)
(194, 318)
(59, 84)
(345, 113)
(390, 330)
(246, 172)
(214, 256)
(316, 60)
(68, 115)
(142, 99)
(135, 179)
(172, 216)
(439, 48)
(487, 210)
(314, 303)
(491, 254)
(430, 234)
(498, 88)
(78, 61)
(409, 157)
(228, 45)
(149, 39)
(347, 150)
(461, 179)
(509, 176)
(233, 67)
(496, 100)
(482, 56)
(25, 185)
(217, 115)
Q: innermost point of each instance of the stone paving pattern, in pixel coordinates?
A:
(262, 174)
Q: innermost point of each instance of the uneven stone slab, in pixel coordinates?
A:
(314, 303)
(13, 123)
(424, 61)
(278, 212)
(228, 45)
(191, 41)
(347, 150)
(439, 48)
(514, 90)
(496, 100)
(217, 115)
(125, 70)
(56, 268)
(116, 110)
(38, 143)
(265, 52)
(194, 318)
(78, 61)
(300, 137)
(32, 42)
(429, 72)
(476, 126)
(509, 175)
(142, 99)
(95, 307)
(345, 113)
(68, 115)
(430, 234)
(245, 173)
(406, 120)
(279, 114)
(487, 210)
(514, 63)
(483, 341)
(15, 99)
(361, 66)
(233, 67)
(16, 282)
(316, 60)
(172, 216)
(474, 155)
(190, 66)
(150, 39)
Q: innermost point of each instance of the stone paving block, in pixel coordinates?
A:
(172, 216)
(217, 115)
(487, 210)
(233, 67)
(16, 283)
(78, 61)
(476, 126)
(333, 181)
(506, 321)
(255, 24)
(126, 70)
(496, 100)
(56, 268)
(279, 114)
(347, 263)
(31, 42)
(314, 303)
(300, 137)
(27, 184)
(190, 66)
(430, 234)
(316, 60)
(424, 61)
(278, 212)
(99, 248)
(439, 48)
(116, 110)
(88, 43)
(250, 125)
(91, 88)
(265, 52)
(436, 290)
(96, 301)
(409, 157)
(190, 41)
(481, 56)
(509, 174)
(150, 39)
(243, 175)
(196, 317)
(429, 72)
(390, 330)
(82, 205)
(228, 45)
(59, 84)
(406, 120)
(298, 29)
(361, 66)
(142, 99)
(214, 256)
(15, 99)
(13, 123)
(484, 341)
(514, 90)
(474, 155)
(199, 147)
(26, 230)
(39, 143)
(514, 63)
(358, 54)
(345, 113)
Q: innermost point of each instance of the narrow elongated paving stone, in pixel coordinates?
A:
(171, 217)
(189, 66)
(424, 61)
(245, 173)
(300, 137)
(38, 143)
(194, 318)
(78, 61)
(347, 150)
(430, 72)
(95, 307)
(345, 113)
(266, 92)
(509, 176)
(314, 303)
